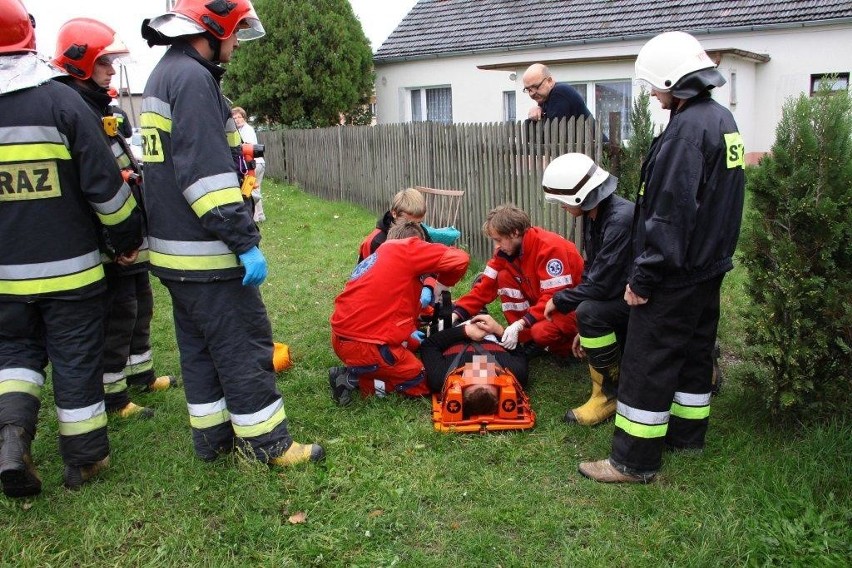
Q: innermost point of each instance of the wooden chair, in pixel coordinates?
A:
(442, 205)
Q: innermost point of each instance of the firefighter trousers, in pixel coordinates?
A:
(127, 336)
(70, 334)
(666, 375)
(225, 343)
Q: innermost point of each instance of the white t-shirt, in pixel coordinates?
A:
(249, 136)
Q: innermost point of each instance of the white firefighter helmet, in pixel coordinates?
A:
(577, 181)
(668, 57)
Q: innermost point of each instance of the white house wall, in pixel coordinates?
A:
(761, 88)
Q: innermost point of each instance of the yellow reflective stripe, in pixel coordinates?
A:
(690, 412)
(214, 199)
(25, 387)
(181, 262)
(54, 284)
(143, 256)
(209, 420)
(117, 386)
(641, 430)
(233, 138)
(83, 426)
(598, 342)
(261, 428)
(112, 219)
(33, 152)
(154, 120)
(123, 161)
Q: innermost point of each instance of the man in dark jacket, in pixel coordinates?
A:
(203, 240)
(86, 50)
(59, 186)
(686, 226)
(585, 190)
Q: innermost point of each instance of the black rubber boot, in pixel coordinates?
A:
(18, 475)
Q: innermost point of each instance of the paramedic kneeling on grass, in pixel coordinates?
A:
(374, 324)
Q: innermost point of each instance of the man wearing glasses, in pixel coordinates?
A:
(554, 100)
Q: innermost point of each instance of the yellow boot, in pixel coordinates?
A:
(131, 410)
(601, 404)
(299, 453)
(162, 383)
(75, 476)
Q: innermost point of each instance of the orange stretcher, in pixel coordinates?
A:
(513, 408)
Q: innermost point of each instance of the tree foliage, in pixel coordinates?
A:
(632, 155)
(797, 247)
(313, 65)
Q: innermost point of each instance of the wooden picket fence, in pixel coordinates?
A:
(493, 163)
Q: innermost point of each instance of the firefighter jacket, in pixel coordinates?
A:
(198, 221)
(58, 181)
(690, 202)
(545, 264)
(99, 101)
(381, 301)
(606, 243)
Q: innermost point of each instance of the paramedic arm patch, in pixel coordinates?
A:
(554, 267)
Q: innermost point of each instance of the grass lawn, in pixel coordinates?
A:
(392, 492)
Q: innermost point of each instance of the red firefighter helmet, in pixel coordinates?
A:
(17, 28)
(81, 42)
(222, 18)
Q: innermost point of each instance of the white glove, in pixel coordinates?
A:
(510, 335)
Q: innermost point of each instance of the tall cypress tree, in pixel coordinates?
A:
(642, 133)
(797, 247)
(313, 66)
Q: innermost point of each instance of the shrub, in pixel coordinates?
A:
(797, 248)
(642, 133)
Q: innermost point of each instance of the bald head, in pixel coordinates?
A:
(538, 82)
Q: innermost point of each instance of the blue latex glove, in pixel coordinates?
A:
(255, 265)
(425, 296)
(418, 337)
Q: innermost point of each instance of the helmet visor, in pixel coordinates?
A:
(249, 29)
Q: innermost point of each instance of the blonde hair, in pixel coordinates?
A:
(409, 201)
(504, 220)
(240, 111)
(406, 229)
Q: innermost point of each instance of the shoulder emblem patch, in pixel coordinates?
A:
(554, 267)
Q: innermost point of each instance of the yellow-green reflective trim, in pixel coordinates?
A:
(215, 199)
(210, 420)
(144, 256)
(641, 430)
(261, 428)
(123, 161)
(598, 342)
(24, 387)
(690, 412)
(55, 284)
(117, 386)
(234, 138)
(136, 368)
(112, 219)
(33, 152)
(178, 262)
(83, 426)
(154, 120)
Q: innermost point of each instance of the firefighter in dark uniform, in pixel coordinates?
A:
(685, 230)
(203, 241)
(86, 50)
(586, 190)
(58, 182)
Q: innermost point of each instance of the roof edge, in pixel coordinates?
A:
(378, 60)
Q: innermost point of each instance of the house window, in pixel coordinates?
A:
(433, 104)
(581, 88)
(509, 106)
(839, 81)
(613, 98)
